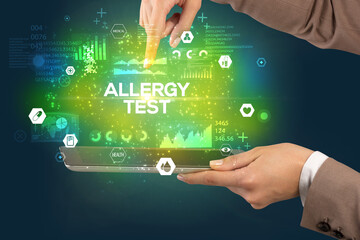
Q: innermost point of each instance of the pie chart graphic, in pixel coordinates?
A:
(61, 123)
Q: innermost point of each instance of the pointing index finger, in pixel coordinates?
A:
(154, 33)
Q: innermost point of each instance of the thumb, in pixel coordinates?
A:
(235, 161)
(190, 9)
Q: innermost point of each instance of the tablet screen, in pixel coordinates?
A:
(139, 157)
(211, 92)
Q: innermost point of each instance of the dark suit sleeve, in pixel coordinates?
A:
(334, 200)
(331, 24)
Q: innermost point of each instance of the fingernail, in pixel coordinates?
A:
(180, 177)
(216, 162)
(147, 63)
(176, 42)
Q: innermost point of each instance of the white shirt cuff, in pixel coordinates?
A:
(310, 168)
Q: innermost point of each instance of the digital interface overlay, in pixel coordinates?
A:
(90, 81)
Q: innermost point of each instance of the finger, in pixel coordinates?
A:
(170, 24)
(141, 18)
(211, 178)
(235, 161)
(154, 34)
(188, 14)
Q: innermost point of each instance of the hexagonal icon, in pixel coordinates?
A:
(117, 155)
(37, 115)
(70, 70)
(261, 62)
(225, 150)
(70, 140)
(225, 61)
(165, 163)
(118, 31)
(247, 110)
(187, 37)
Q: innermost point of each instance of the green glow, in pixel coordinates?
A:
(264, 116)
(214, 95)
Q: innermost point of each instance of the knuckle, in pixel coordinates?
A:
(286, 144)
(258, 149)
(230, 159)
(208, 179)
(246, 178)
(250, 181)
(240, 176)
(257, 206)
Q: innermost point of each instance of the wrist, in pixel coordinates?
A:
(308, 172)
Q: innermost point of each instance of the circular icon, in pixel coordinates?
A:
(264, 116)
(110, 136)
(20, 136)
(38, 61)
(141, 135)
(61, 123)
(59, 157)
(64, 81)
(188, 54)
(67, 18)
(95, 136)
(126, 135)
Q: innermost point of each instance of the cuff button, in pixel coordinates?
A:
(324, 226)
(338, 234)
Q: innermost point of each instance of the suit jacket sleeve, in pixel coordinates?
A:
(334, 195)
(324, 23)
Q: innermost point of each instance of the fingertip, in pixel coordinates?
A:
(175, 42)
(216, 164)
(147, 63)
(181, 177)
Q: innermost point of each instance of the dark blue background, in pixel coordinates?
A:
(44, 200)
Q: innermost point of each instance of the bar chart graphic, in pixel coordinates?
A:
(198, 73)
(98, 47)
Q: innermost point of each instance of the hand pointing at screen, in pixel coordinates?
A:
(325, 24)
(153, 18)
